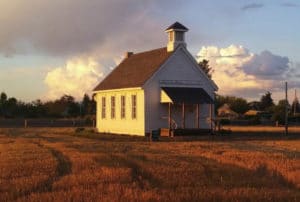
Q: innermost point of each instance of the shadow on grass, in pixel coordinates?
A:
(234, 136)
(171, 170)
(247, 146)
(231, 176)
(63, 168)
(140, 176)
(55, 136)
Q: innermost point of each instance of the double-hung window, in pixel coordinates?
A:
(123, 105)
(133, 106)
(113, 107)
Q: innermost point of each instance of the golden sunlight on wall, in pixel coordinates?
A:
(127, 125)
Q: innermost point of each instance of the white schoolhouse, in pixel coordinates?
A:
(158, 89)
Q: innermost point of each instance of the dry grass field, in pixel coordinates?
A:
(46, 164)
(263, 129)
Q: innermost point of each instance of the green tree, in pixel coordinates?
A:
(69, 106)
(85, 104)
(279, 112)
(239, 105)
(295, 106)
(3, 98)
(11, 107)
(88, 105)
(38, 108)
(205, 67)
(3, 104)
(219, 102)
(266, 102)
(65, 106)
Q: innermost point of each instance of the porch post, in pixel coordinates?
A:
(197, 116)
(183, 115)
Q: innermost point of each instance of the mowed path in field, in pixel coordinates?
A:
(49, 164)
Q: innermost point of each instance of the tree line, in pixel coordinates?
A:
(64, 107)
(266, 105)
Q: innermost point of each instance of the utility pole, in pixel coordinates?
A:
(295, 101)
(286, 108)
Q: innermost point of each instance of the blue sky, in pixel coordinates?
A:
(48, 48)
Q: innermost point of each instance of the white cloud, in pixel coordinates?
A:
(241, 73)
(226, 63)
(78, 76)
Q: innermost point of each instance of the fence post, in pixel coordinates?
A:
(25, 123)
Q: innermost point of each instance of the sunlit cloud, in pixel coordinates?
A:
(241, 73)
(78, 76)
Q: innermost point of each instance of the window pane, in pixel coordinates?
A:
(123, 104)
(179, 36)
(133, 107)
(103, 108)
(113, 107)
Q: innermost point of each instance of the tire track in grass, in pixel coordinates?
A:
(139, 175)
(64, 165)
(142, 178)
(63, 168)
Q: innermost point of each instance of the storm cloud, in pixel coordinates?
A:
(267, 66)
(68, 27)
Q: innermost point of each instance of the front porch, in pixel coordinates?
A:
(184, 114)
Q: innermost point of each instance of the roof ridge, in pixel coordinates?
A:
(156, 49)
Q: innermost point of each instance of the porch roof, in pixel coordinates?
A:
(187, 95)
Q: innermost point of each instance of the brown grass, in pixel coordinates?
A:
(49, 164)
(264, 129)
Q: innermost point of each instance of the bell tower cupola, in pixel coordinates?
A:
(176, 36)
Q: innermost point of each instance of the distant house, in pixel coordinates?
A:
(253, 112)
(161, 88)
(225, 111)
